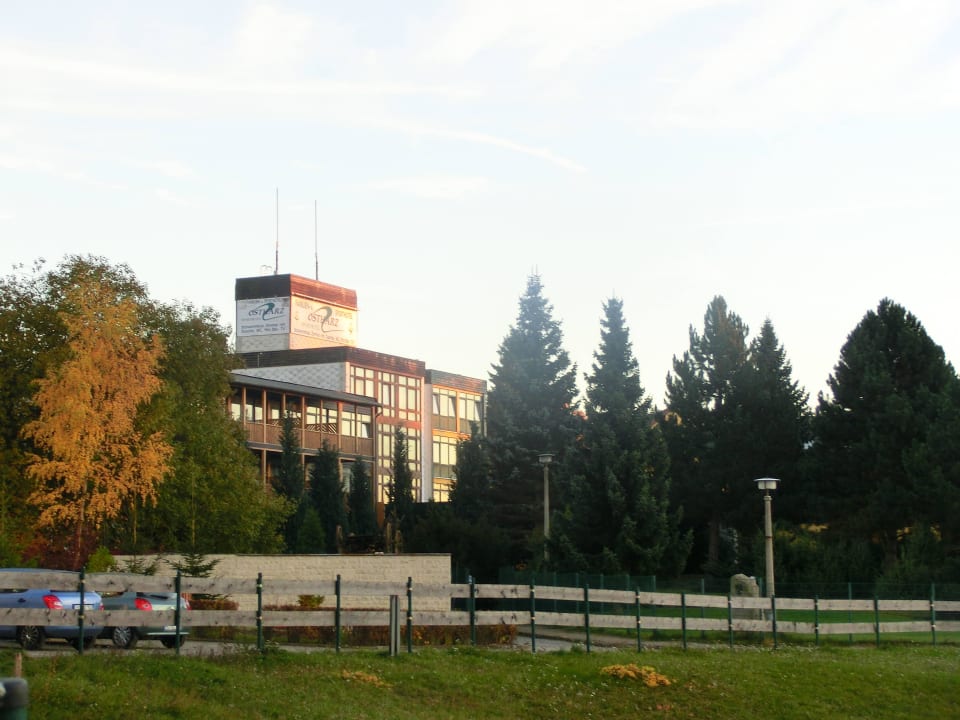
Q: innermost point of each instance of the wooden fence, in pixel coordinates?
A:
(476, 605)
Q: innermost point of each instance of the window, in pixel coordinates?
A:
(253, 409)
(329, 417)
(408, 398)
(470, 411)
(363, 381)
(236, 405)
(349, 427)
(445, 409)
(445, 403)
(274, 408)
(413, 448)
(314, 414)
(441, 489)
(444, 456)
(293, 405)
(387, 393)
(364, 422)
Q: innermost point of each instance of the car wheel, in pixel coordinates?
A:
(171, 642)
(30, 637)
(124, 637)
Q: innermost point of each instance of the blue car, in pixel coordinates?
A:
(32, 637)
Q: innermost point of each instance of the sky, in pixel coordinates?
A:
(800, 159)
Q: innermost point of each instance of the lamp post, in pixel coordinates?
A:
(766, 485)
(545, 460)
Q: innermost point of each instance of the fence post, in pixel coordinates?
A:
(533, 617)
(876, 617)
(394, 625)
(816, 620)
(933, 612)
(177, 613)
(683, 619)
(473, 612)
(639, 622)
(336, 616)
(730, 620)
(260, 645)
(586, 608)
(703, 591)
(849, 609)
(82, 588)
(773, 616)
(409, 614)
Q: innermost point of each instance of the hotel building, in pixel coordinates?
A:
(298, 341)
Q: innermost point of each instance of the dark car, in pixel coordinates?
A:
(32, 637)
(126, 637)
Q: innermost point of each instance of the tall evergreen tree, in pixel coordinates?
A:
(361, 515)
(704, 423)
(886, 444)
(530, 410)
(622, 520)
(326, 495)
(734, 414)
(289, 480)
(470, 496)
(400, 502)
(779, 429)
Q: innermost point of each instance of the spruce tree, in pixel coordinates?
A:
(779, 429)
(361, 515)
(326, 495)
(530, 410)
(400, 502)
(289, 480)
(470, 497)
(622, 521)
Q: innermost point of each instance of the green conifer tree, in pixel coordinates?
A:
(326, 495)
(621, 518)
(886, 444)
(400, 502)
(530, 410)
(361, 515)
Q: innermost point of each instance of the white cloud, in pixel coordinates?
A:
(553, 33)
(793, 62)
(439, 187)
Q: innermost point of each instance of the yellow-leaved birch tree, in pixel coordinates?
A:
(95, 457)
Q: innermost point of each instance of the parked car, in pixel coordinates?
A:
(126, 637)
(32, 637)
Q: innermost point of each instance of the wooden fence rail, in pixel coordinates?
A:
(476, 605)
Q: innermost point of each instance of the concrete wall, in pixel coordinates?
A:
(424, 569)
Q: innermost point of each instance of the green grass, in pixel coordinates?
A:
(854, 682)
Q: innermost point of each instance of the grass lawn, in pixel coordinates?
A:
(791, 682)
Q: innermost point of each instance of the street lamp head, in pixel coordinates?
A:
(546, 458)
(767, 483)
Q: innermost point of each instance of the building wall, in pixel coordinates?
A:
(424, 569)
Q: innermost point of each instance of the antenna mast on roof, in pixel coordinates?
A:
(276, 249)
(316, 255)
